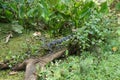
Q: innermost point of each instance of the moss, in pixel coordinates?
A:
(17, 46)
(4, 75)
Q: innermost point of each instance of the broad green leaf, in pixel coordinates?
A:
(31, 12)
(13, 6)
(30, 1)
(66, 52)
(117, 7)
(20, 1)
(104, 8)
(53, 3)
(21, 11)
(118, 32)
(17, 28)
(8, 14)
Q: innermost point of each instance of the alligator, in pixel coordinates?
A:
(56, 44)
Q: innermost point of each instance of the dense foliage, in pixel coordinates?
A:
(95, 28)
(58, 16)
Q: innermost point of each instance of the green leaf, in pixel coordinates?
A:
(21, 11)
(30, 12)
(30, 1)
(118, 32)
(19, 1)
(117, 7)
(8, 14)
(17, 28)
(104, 8)
(66, 52)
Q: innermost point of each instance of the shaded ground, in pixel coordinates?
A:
(88, 66)
(4, 75)
(16, 47)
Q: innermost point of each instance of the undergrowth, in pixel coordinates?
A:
(100, 65)
(96, 32)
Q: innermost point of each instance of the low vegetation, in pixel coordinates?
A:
(27, 25)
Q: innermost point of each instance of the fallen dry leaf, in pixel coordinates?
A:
(37, 34)
(114, 49)
(13, 72)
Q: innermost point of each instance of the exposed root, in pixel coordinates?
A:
(30, 64)
(3, 66)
